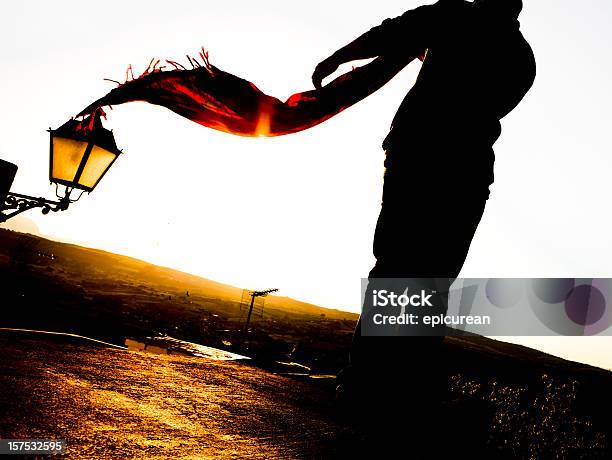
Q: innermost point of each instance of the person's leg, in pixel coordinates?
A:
(434, 245)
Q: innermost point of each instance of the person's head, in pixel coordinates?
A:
(506, 8)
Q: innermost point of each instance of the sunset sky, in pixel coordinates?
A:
(298, 212)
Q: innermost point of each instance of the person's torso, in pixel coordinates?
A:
(475, 72)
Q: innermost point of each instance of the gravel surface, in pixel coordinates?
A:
(111, 403)
(122, 404)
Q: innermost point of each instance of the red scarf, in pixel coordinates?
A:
(219, 100)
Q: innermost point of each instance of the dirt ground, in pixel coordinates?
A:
(113, 403)
(121, 404)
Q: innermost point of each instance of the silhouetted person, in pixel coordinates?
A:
(439, 153)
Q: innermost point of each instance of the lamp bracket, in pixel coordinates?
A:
(16, 203)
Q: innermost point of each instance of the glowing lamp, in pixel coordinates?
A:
(81, 152)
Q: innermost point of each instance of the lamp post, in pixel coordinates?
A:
(80, 154)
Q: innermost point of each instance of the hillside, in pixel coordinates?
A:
(91, 265)
(65, 287)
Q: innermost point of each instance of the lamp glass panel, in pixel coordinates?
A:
(67, 155)
(98, 162)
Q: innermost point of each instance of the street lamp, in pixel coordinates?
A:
(80, 154)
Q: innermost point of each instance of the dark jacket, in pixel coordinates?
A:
(477, 68)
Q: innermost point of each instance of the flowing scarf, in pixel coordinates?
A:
(222, 101)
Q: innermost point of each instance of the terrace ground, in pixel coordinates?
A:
(110, 403)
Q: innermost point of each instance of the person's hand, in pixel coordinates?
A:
(324, 69)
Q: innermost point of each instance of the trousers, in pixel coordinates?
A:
(424, 230)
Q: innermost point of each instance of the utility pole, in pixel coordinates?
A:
(253, 294)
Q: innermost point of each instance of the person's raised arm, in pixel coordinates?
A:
(404, 35)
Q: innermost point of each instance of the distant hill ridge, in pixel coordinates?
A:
(90, 263)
